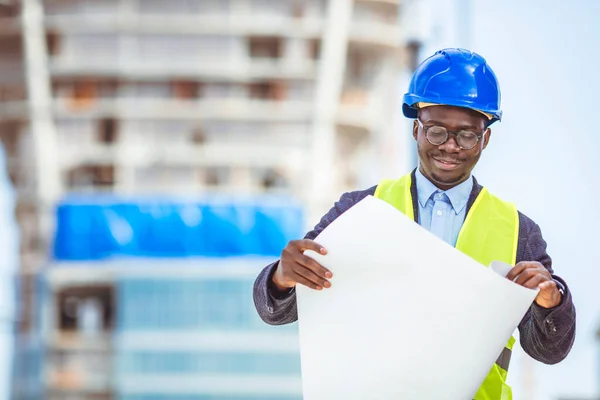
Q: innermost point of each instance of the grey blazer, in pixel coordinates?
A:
(547, 335)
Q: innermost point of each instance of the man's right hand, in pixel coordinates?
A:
(294, 267)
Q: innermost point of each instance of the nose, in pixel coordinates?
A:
(450, 146)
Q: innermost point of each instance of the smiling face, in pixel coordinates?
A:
(447, 165)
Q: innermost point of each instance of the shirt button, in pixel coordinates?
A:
(440, 213)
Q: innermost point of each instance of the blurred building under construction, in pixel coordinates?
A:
(293, 98)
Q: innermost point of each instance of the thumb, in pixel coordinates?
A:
(547, 286)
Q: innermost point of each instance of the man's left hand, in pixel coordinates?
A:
(532, 274)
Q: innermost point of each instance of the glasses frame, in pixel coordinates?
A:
(448, 133)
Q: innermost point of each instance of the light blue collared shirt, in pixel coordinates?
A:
(442, 212)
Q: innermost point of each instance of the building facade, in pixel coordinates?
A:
(291, 98)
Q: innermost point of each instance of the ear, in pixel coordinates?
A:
(486, 137)
(415, 129)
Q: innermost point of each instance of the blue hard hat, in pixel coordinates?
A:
(454, 77)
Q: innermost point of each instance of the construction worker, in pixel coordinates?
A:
(453, 98)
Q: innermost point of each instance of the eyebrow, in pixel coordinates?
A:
(460, 128)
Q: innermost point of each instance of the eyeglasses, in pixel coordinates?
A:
(438, 135)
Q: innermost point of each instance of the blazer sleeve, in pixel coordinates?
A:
(278, 308)
(546, 334)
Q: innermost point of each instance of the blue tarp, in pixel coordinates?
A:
(96, 228)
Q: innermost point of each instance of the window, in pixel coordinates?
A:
(271, 179)
(10, 137)
(265, 47)
(80, 94)
(298, 9)
(199, 136)
(185, 90)
(84, 90)
(260, 90)
(108, 88)
(85, 308)
(53, 42)
(9, 8)
(362, 68)
(107, 132)
(412, 55)
(11, 56)
(12, 93)
(91, 175)
(216, 176)
(376, 12)
(268, 90)
(315, 48)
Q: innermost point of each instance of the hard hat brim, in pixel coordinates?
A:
(410, 110)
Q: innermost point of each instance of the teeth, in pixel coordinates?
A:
(447, 162)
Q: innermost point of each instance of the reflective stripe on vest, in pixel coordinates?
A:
(490, 232)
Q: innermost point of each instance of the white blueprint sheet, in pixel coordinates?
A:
(407, 316)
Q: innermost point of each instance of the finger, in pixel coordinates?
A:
(547, 286)
(519, 268)
(530, 272)
(314, 266)
(307, 244)
(306, 282)
(525, 275)
(515, 271)
(534, 281)
(311, 276)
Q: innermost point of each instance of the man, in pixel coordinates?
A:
(454, 98)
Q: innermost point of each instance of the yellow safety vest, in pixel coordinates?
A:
(490, 232)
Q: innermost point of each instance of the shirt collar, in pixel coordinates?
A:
(458, 195)
(425, 189)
